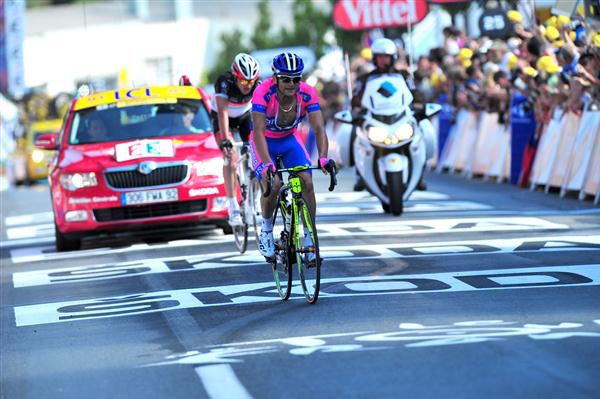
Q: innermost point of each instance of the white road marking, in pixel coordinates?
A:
(455, 333)
(339, 287)
(441, 206)
(521, 279)
(326, 207)
(351, 196)
(41, 217)
(37, 230)
(354, 229)
(26, 241)
(252, 258)
(220, 381)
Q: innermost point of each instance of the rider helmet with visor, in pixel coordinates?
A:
(245, 68)
(288, 66)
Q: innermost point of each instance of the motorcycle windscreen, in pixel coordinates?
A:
(387, 94)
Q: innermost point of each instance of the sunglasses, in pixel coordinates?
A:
(289, 79)
(245, 82)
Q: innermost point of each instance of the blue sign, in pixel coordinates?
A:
(445, 118)
(522, 127)
(387, 89)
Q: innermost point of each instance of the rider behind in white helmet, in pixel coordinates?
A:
(232, 107)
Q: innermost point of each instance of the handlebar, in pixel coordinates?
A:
(330, 167)
(225, 144)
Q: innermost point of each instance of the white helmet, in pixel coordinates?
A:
(245, 67)
(384, 46)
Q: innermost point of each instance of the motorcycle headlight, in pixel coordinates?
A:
(37, 156)
(78, 180)
(210, 167)
(404, 132)
(384, 136)
(377, 134)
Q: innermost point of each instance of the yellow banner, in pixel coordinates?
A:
(146, 95)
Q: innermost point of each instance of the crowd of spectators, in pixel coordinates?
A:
(554, 64)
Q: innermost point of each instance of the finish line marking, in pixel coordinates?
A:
(340, 287)
(83, 274)
(355, 229)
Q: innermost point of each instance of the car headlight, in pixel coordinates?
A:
(78, 180)
(404, 132)
(37, 156)
(210, 167)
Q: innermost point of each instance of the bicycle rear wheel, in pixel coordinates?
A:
(253, 199)
(307, 256)
(240, 233)
(282, 263)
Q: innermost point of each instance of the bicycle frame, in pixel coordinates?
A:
(294, 184)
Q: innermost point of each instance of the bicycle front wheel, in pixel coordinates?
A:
(307, 251)
(282, 264)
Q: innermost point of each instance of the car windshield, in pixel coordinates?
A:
(113, 122)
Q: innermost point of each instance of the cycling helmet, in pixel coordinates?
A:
(245, 67)
(384, 46)
(288, 64)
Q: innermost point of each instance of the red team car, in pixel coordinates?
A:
(134, 158)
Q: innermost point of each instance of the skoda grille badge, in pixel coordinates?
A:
(146, 168)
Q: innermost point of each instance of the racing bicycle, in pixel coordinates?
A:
(249, 193)
(297, 222)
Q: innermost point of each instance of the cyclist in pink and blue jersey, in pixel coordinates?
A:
(279, 104)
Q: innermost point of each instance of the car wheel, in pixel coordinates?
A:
(227, 229)
(65, 244)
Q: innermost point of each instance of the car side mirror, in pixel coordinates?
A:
(343, 116)
(432, 109)
(46, 141)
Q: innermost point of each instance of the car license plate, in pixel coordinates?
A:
(150, 196)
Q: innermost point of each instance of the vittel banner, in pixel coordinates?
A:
(369, 14)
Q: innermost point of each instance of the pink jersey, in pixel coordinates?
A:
(264, 100)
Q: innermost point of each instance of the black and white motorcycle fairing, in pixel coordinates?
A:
(391, 143)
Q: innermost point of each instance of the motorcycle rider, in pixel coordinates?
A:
(232, 107)
(385, 55)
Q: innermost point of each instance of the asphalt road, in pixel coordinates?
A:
(478, 290)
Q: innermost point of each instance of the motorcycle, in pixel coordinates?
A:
(389, 143)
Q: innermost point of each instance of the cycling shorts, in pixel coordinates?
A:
(242, 123)
(289, 148)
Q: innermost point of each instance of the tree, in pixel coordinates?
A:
(309, 29)
(310, 26)
(350, 41)
(261, 37)
(231, 45)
